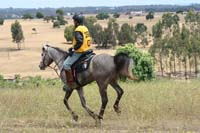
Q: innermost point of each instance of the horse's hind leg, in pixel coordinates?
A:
(104, 97)
(120, 92)
(83, 102)
(67, 95)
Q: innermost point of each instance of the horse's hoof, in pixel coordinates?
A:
(75, 117)
(117, 110)
(98, 123)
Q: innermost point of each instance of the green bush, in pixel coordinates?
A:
(144, 65)
(56, 24)
(102, 16)
(68, 33)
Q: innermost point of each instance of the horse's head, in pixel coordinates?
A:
(46, 58)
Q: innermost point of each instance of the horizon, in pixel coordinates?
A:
(90, 3)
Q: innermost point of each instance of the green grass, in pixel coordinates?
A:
(36, 105)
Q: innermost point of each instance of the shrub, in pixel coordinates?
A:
(56, 24)
(102, 16)
(68, 33)
(144, 65)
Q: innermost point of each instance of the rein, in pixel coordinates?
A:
(55, 69)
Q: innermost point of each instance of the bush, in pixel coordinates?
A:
(102, 16)
(56, 24)
(144, 65)
(27, 16)
(116, 15)
(130, 17)
(68, 33)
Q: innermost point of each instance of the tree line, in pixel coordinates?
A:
(16, 13)
(113, 34)
(176, 47)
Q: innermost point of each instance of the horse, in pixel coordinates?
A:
(103, 68)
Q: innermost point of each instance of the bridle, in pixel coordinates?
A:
(54, 67)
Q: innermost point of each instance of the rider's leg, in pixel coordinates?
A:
(67, 65)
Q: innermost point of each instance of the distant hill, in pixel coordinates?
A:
(18, 12)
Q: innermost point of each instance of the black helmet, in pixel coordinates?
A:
(78, 18)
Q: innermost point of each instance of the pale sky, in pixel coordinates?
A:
(84, 3)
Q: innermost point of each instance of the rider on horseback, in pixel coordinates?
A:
(80, 44)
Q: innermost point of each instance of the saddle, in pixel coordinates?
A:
(82, 64)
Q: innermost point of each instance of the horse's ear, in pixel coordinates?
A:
(45, 46)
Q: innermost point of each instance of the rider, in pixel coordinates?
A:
(81, 43)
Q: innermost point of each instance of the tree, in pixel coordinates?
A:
(60, 17)
(126, 34)
(168, 20)
(185, 46)
(1, 21)
(39, 15)
(96, 30)
(56, 24)
(60, 12)
(68, 33)
(90, 20)
(48, 18)
(17, 34)
(140, 28)
(130, 17)
(179, 12)
(157, 30)
(102, 16)
(116, 15)
(190, 16)
(27, 16)
(150, 16)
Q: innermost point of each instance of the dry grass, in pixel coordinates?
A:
(161, 105)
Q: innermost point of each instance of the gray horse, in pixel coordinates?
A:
(104, 69)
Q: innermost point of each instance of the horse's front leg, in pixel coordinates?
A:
(67, 95)
(83, 102)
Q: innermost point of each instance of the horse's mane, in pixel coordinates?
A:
(60, 50)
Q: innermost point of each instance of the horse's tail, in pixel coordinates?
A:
(124, 65)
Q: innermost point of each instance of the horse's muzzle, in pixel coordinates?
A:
(41, 66)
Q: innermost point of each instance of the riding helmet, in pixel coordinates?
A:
(79, 18)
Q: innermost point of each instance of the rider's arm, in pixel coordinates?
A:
(79, 40)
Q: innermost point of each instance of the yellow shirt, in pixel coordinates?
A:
(86, 39)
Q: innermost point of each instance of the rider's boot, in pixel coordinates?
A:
(70, 79)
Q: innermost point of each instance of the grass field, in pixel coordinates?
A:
(156, 106)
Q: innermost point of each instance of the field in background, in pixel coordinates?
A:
(161, 105)
(25, 62)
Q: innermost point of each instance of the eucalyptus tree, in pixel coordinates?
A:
(185, 38)
(17, 34)
(192, 20)
(126, 34)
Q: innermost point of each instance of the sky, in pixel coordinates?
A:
(84, 3)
